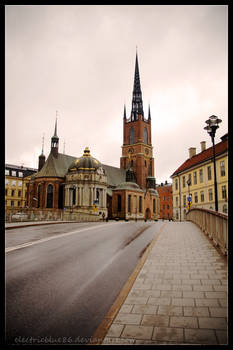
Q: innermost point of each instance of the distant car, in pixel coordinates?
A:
(19, 216)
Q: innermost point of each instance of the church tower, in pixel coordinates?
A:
(137, 150)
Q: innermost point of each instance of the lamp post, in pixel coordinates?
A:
(189, 196)
(212, 126)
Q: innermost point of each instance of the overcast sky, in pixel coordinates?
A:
(80, 61)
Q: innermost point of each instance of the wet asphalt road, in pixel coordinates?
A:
(59, 290)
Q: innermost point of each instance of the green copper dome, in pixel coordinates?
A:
(129, 186)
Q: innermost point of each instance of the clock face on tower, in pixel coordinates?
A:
(130, 150)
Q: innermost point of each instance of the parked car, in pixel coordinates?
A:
(19, 216)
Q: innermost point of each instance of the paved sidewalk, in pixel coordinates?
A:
(179, 296)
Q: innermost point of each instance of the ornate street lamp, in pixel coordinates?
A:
(189, 196)
(212, 126)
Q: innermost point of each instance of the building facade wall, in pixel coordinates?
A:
(166, 201)
(201, 188)
(16, 180)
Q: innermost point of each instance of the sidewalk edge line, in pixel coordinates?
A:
(101, 331)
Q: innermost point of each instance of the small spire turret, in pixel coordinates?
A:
(55, 141)
(124, 112)
(42, 156)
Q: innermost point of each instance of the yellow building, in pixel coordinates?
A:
(16, 178)
(195, 178)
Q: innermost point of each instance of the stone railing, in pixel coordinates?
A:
(34, 215)
(213, 224)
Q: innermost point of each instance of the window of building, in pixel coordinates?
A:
(201, 175)
(222, 168)
(209, 172)
(38, 195)
(224, 209)
(202, 196)
(176, 201)
(12, 203)
(145, 136)
(19, 183)
(20, 174)
(50, 196)
(12, 193)
(190, 179)
(167, 206)
(164, 198)
(13, 182)
(195, 178)
(119, 203)
(131, 136)
(153, 205)
(195, 197)
(6, 182)
(184, 200)
(168, 198)
(19, 193)
(18, 203)
(129, 203)
(176, 184)
(7, 172)
(163, 206)
(13, 173)
(74, 196)
(6, 192)
(140, 204)
(97, 196)
(177, 215)
(224, 192)
(183, 179)
(210, 194)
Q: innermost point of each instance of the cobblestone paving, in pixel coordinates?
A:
(179, 296)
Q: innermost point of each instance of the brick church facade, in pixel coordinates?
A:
(87, 189)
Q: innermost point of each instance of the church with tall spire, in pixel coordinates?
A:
(82, 188)
(137, 149)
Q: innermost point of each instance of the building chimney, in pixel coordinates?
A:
(192, 152)
(203, 146)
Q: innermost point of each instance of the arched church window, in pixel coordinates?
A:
(131, 163)
(131, 136)
(50, 196)
(145, 136)
(38, 196)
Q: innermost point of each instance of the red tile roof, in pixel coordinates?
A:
(220, 148)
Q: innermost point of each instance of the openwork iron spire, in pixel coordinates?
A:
(137, 105)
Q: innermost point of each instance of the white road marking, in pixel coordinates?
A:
(28, 244)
